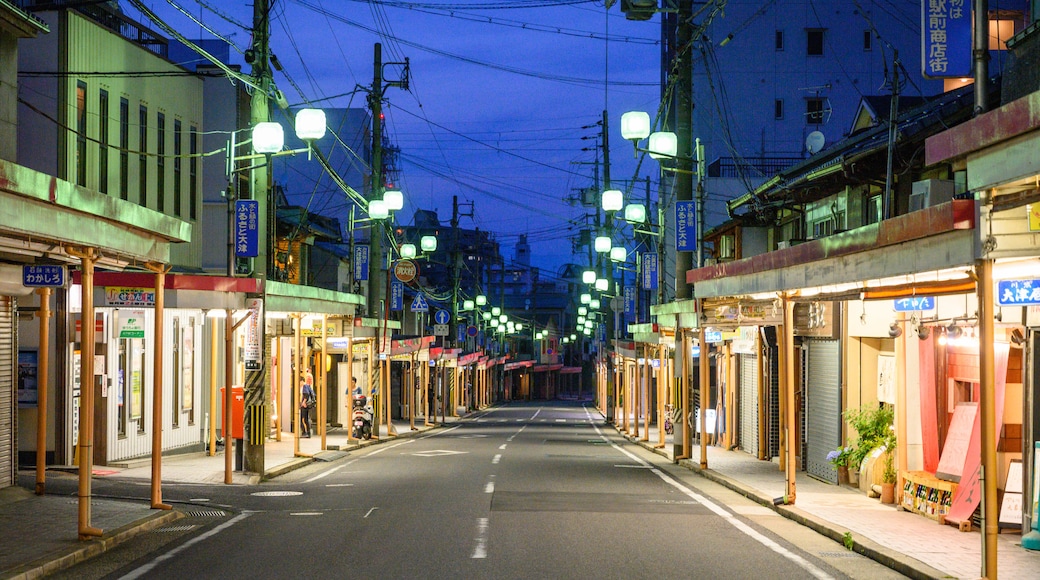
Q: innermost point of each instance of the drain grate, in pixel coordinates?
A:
(845, 554)
(205, 514)
(168, 529)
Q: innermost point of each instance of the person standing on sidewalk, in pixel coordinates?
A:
(307, 399)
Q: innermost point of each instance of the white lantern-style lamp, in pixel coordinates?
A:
(407, 250)
(663, 145)
(588, 277)
(481, 300)
(377, 209)
(613, 200)
(618, 254)
(268, 137)
(428, 243)
(603, 244)
(394, 199)
(602, 284)
(635, 213)
(310, 124)
(635, 125)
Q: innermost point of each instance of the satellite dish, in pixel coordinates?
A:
(814, 142)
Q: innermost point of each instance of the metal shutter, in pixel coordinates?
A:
(749, 403)
(822, 407)
(8, 384)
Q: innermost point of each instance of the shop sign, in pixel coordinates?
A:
(1018, 292)
(247, 228)
(815, 319)
(131, 324)
(685, 226)
(126, 296)
(946, 42)
(914, 303)
(1034, 217)
(44, 276)
(361, 263)
(649, 272)
(360, 348)
(713, 336)
(406, 270)
(254, 334)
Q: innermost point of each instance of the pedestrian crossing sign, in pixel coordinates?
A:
(419, 304)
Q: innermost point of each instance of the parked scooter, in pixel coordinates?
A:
(361, 418)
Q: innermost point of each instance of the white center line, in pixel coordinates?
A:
(496, 459)
(502, 446)
(305, 514)
(480, 549)
(489, 487)
(339, 485)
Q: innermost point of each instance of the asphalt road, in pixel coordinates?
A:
(535, 490)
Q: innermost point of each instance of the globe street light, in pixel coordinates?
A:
(407, 250)
(588, 277)
(603, 244)
(428, 243)
(613, 200)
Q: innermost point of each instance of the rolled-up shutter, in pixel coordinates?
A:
(8, 384)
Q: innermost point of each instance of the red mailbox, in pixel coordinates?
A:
(238, 411)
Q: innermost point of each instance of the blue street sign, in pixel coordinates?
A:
(1018, 292)
(247, 228)
(460, 333)
(44, 276)
(471, 331)
(649, 273)
(630, 300)
(685, 226)
(396, 295)
(419, 304)
(441, 316)
(946, 38)
(361, 262)
(914, 303)
(713, 336)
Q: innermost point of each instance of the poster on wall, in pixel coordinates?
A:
(886, 374)
(136, 394)
(187, 366)
(28, 395)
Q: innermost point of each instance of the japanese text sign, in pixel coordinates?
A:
(1018, 292)
(247, 228)
(914, 303)
(45, 276)
(946, 38)
(649, 272)
(685, 226)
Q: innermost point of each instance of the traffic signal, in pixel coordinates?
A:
(639, 9)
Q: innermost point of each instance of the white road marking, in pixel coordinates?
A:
(561, 420)
(502, 446)
(480, 549)
(633, 466)
(370, 512)
(489, 487)
(339, 485)
(536, 413)
(329, 472)
(511, 437)
(725, 515)
(207, 499)
(144, 570)
(445, 432)
(496, 459)
(306, 513)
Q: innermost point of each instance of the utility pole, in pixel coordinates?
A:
(684, 133)
(256, 371)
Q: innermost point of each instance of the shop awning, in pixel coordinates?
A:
(570, 370)
(282, 297)
(410, 345)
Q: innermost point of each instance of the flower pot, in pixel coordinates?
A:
(888, 493)
(843, 475)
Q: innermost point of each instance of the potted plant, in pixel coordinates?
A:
(839, 458)
(873, 424)
(888, 476)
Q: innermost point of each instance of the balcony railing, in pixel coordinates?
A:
(108, 17)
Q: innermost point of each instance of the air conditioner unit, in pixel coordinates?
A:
(930, 192)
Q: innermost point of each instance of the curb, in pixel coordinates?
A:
(63, 559)
(865, 547)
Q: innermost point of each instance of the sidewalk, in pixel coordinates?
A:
(38, 534)
(908, 543)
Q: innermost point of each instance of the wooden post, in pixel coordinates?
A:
(157, 385)
(41, 386)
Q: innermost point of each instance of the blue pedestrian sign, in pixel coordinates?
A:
(419, 304)
(44, 276)
(441, 316)
(396, 295)
(247, 228)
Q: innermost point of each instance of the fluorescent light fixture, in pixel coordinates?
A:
(635, 125)
(663, 145)
(613, 200)
(310, 124)
(268, 137)
(394, 199)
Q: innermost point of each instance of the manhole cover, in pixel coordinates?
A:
(276, 493)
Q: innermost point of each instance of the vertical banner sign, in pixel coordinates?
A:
(946, 38)
(685, 226)
(253, 334)
(649, 272)
(247, 228)
(396, 295)
(630, 300)
(361, 262)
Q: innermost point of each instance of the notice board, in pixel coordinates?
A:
(951, 462)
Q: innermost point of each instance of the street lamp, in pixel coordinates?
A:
(378, 210)
(602, 284)
(635, 213)
(635, 125)
(588, 277)
(603, 244)
(663, 145)
(407, 250)
(394, 199)
(468, 304)
(495, 311)
(613, 200)
(481, 300)
(618, 254)
(585, 298)
(428, 243)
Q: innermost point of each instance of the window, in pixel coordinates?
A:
(814, 111)
(103, 141)
(81, 133)
(779, 40)
(193, 172)
(177, 135)
(142, 159)
(160, 162)
(868, 41)
(778, 109)
(999, 33)
(814, 42)
(124, 148)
